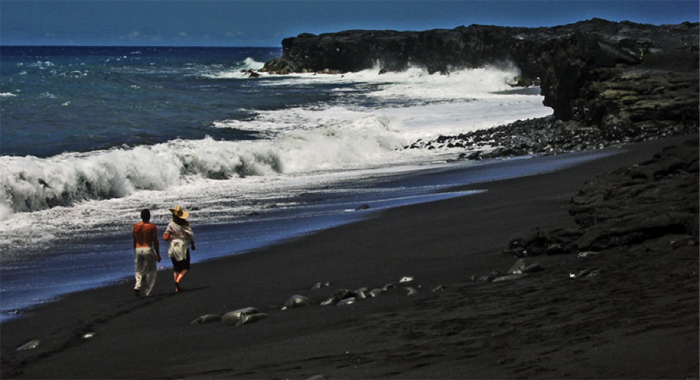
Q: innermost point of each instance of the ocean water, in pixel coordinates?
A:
(91, 135)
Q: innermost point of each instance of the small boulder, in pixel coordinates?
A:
(208, 318)
(233, 317)
(250, 318)
(508, 277)
(346, 301)
(320, 285)
(341, 294)
(297, 301)
(525, 266)
(338, 296)
(32, 344)
(329, 301)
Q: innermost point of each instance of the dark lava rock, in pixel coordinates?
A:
(651, 207)
(621, 79)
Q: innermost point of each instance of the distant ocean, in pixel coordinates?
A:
(91, 135)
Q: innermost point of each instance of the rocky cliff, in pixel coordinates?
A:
(622, 79)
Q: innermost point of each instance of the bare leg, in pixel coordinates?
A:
(181, 275)
(178, 277)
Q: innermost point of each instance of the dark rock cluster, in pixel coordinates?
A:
(534, 136)
(651, 207)
(546, 136)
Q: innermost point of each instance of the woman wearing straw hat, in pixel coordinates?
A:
(181, 237)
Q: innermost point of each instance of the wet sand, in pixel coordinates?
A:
(637, 319)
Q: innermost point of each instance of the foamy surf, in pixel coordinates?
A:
(365, 128)
(256, 160)
(237, 73)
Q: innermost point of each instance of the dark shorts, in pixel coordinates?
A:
(179, 266)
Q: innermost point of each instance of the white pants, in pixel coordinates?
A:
(146, 269)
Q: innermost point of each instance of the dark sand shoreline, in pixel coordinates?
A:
(635, 322)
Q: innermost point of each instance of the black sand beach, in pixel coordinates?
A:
(638, 318)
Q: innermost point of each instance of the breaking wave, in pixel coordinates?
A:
(32, 184)
(238, 73)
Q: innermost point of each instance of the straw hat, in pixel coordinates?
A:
(179, 212)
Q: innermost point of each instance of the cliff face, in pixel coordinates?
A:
(597, 73)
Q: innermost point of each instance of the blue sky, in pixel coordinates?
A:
(267, 22)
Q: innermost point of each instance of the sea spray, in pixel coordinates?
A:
(239, 72)
(152, 127)
(32, 184)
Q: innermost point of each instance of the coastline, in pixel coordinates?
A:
(529, 328)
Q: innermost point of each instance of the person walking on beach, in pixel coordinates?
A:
(146, 253)
(181, 237)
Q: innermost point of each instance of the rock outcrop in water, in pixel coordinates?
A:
(618, 80)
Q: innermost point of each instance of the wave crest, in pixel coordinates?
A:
(238, 73)
(33, 184)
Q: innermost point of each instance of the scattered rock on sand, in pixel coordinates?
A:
(320, 285)
(250, 318)
(585, 273)
(208, 318)
(346, 301)
(508, 277)
(339, 296)
(525, 266)
(32, 344)
(297, 301)
(588, 253)
(361, 293)
(233, 317)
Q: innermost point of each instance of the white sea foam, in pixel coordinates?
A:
(7, 94)
(237, 73)
(33, 184)
(250, 63)
(416, 83)
(45, 199)
(467, 84)
(41, 64)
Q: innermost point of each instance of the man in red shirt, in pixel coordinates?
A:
(146, 253)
